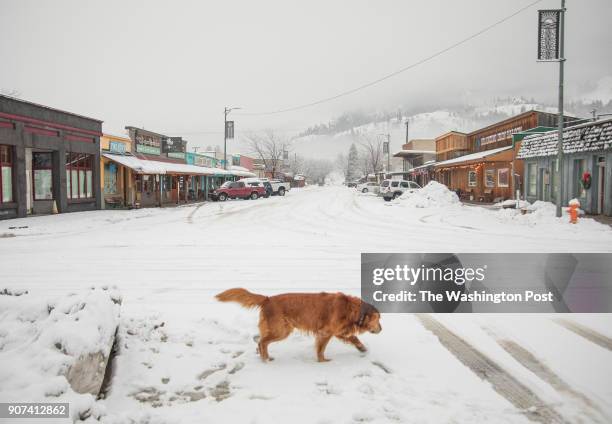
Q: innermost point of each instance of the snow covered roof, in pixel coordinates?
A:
(425, 165)
(589, 137)
(474, 156)
(410, 152)
(143, 166)
(241, 171)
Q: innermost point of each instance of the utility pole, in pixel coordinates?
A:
(560, 123)
(407, 122)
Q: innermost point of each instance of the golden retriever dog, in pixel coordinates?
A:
(325, 315)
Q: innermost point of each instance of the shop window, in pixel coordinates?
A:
(490, 178)
(6, 174)
(110, 178)
(579, 169)
(472, 179)
(42, 168)
(532, 170)
(79, 176)
(503, 177)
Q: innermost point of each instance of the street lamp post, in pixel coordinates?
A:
(225, 113)
(551, 34)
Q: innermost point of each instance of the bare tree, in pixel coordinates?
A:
(269, 148)
(372, 153)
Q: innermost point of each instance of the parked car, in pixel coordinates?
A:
(351, 184)
(238, 190)
(368, 187)
(280, 187)
(390, 189)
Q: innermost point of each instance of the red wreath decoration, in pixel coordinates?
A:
(586, 180)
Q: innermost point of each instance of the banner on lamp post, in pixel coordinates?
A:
(549, 22)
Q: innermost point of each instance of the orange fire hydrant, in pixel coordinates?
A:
(574, 205)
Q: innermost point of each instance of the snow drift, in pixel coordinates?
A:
(56, 349)
(433, 195)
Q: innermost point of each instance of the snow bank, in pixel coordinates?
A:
(433, 195)
(511, 203)
(56, 349)
(544, 214)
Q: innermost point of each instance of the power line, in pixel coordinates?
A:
(399, 71)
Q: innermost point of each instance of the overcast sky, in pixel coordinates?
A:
(171, 66)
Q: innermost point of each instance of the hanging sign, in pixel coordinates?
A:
(229, 129)
(549, 22)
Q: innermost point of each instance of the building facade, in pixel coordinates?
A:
(49, 160)
(586, 170)
(117, 180)
(481, 165)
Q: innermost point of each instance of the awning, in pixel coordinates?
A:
(241, 171)
(473, 156)
(143, 166)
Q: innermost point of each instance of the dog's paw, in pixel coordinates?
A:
(323, 360)
(362, 348)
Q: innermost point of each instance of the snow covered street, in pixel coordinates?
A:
(183, 357)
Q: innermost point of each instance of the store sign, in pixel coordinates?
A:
(148, 144)
(174, 145)
(502, 135)
(204, 161)
(116, 147)
(548, 34)
(176, 155)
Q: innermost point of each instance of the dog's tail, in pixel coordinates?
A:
(242, 296)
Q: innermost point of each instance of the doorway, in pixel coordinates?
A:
(601, 184)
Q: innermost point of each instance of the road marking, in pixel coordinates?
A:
(501, 381)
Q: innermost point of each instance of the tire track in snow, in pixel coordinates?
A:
(542, 371)
(589, 334)
(502, 382)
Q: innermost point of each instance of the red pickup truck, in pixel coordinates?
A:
(237, 190)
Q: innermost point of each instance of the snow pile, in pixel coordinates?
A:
(433, 195)
(542, 213)
(511, 203)
(56, 349)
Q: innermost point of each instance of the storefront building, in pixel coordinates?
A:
(414, 155)
(481, 165)
(117, 180)
(586, 171)
(49, 160)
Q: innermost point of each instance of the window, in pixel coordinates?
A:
(472, 180)
(414, 185)
(79, 182)
(394, 183)
(110, 178)
(490, 178)
(42, 167)
(405, 184)
(6, 174)
(503, 177)
(579, 169)
(532, 169)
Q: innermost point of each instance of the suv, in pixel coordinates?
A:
(368, 187)
(280, 187)
(238, 190)
(390, 189)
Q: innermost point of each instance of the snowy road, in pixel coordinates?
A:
(201, 366)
